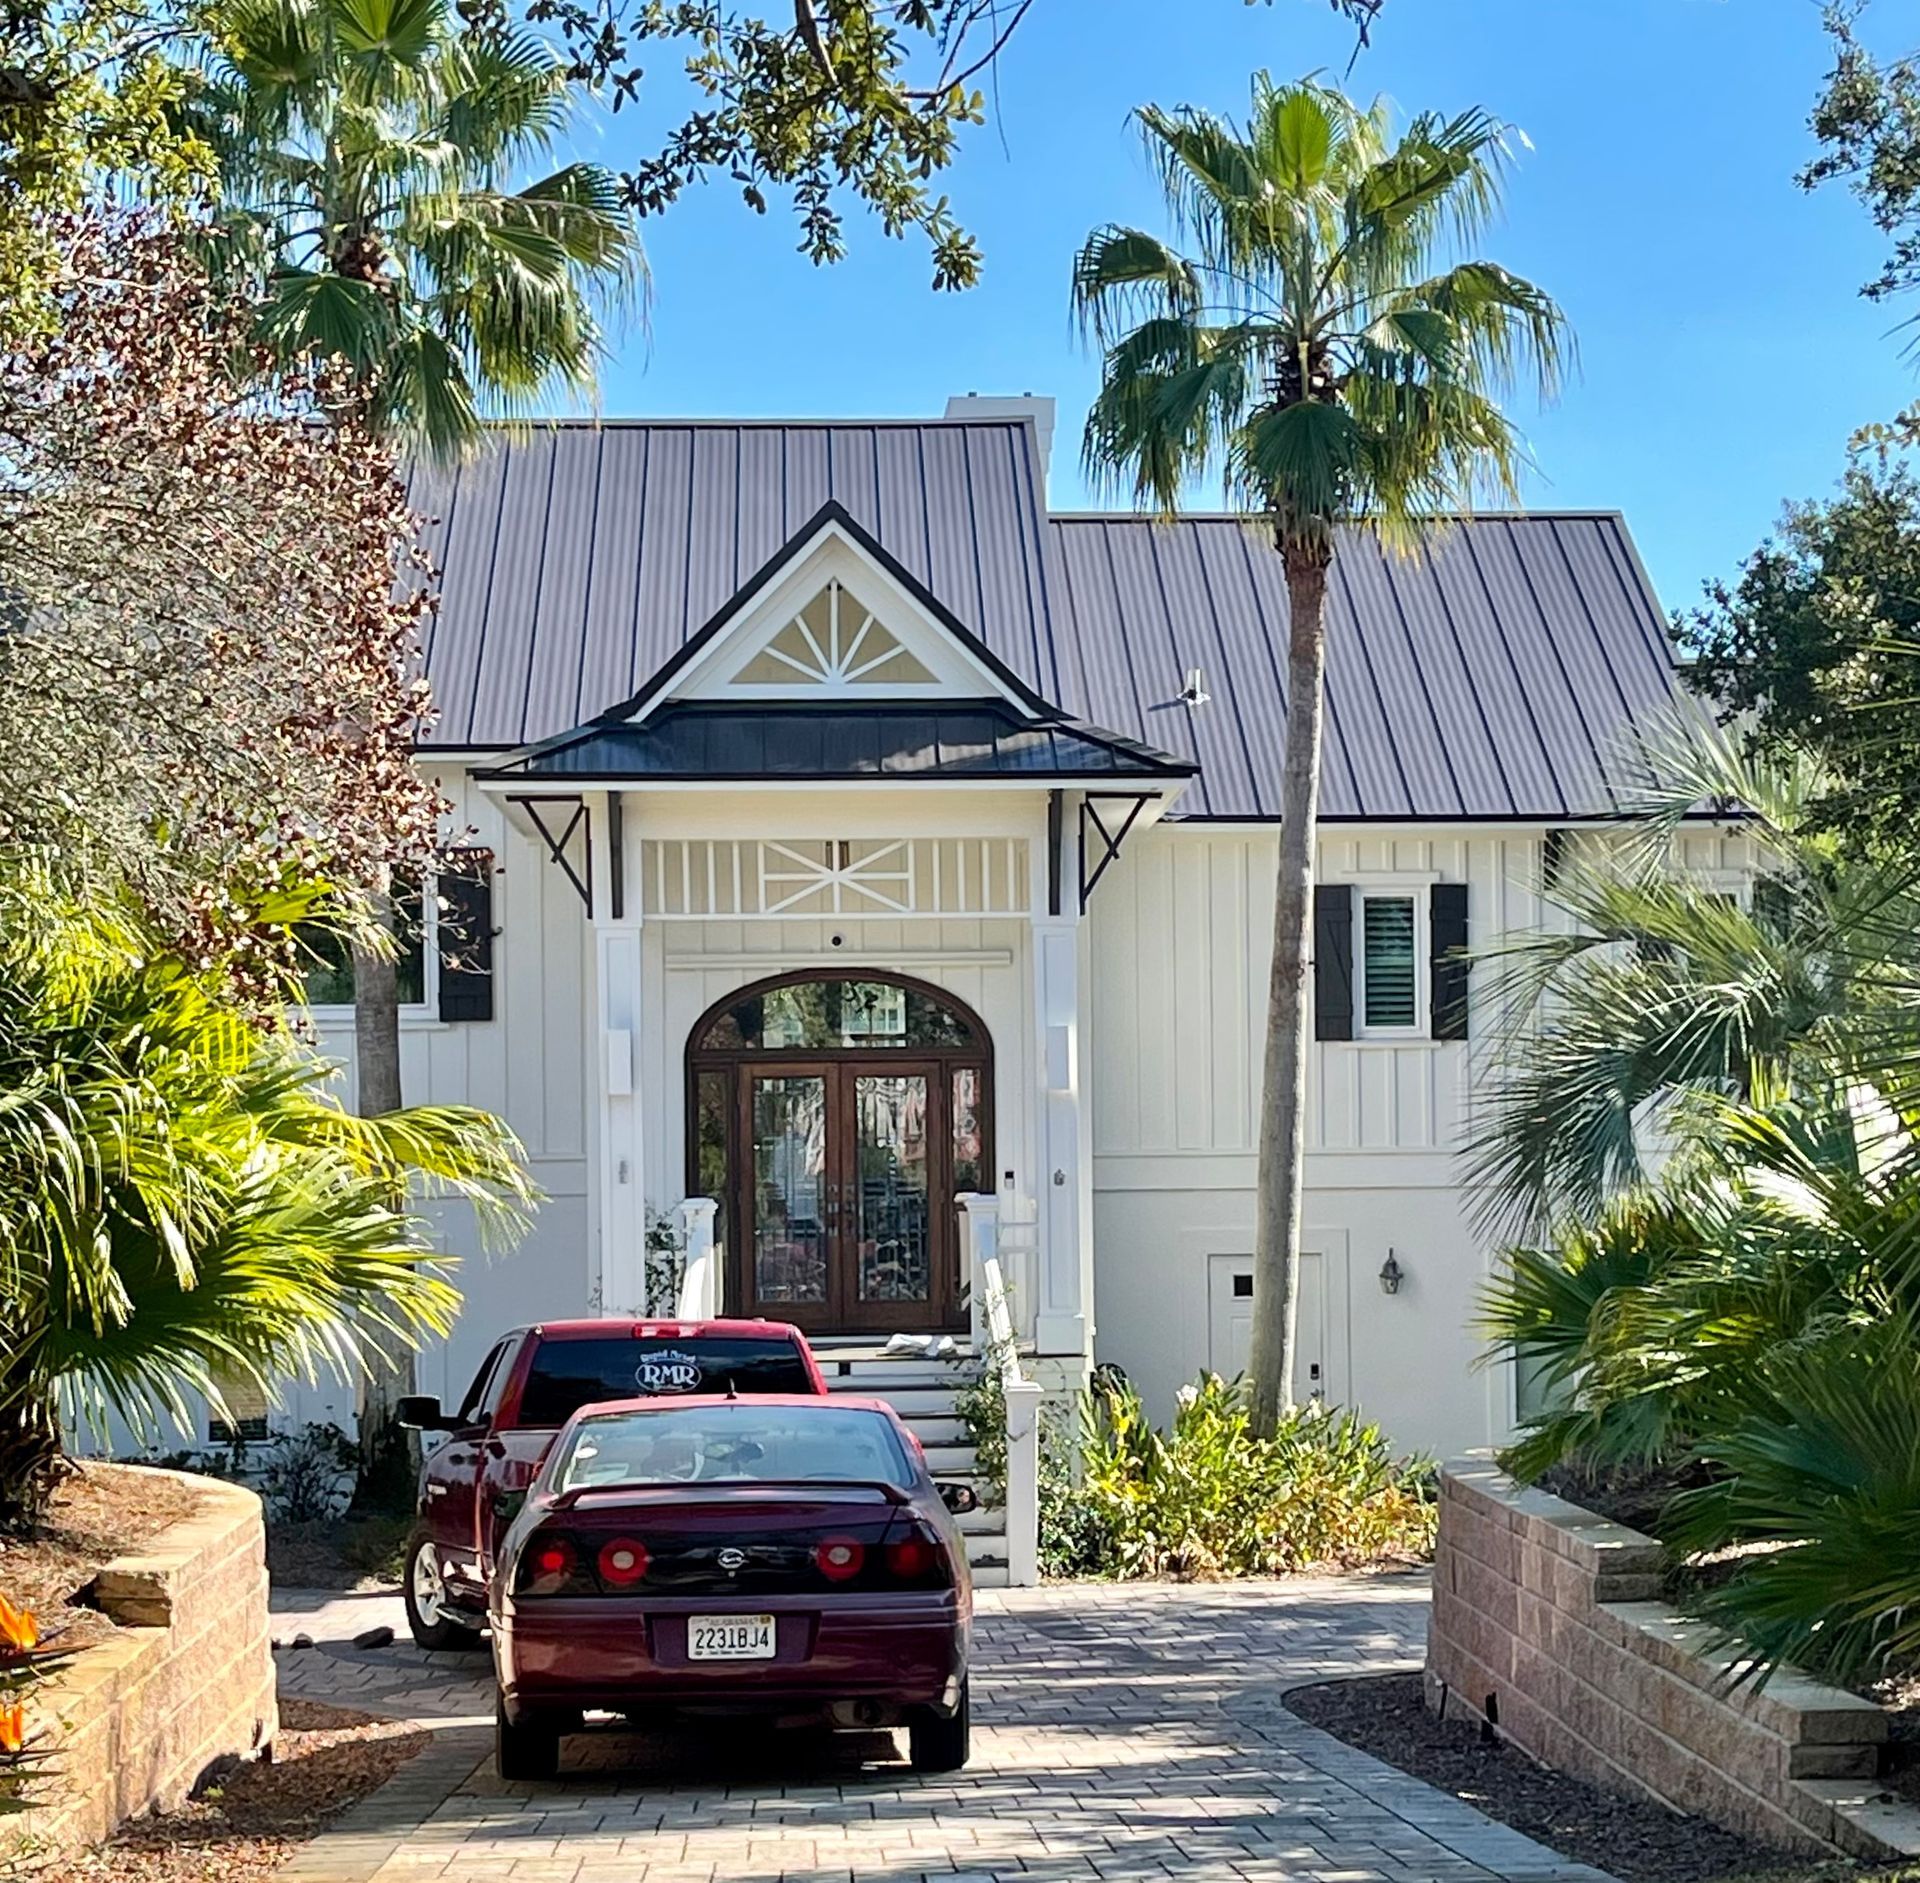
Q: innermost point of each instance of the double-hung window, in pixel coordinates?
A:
(1390, 964)
(327, 962)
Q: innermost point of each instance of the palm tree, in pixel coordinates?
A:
(370, 155)
(1660, 996)
(181, 1202)
(1706, 1117)
(368, 151)
(1322, 347)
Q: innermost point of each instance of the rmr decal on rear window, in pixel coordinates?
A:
(670, 1371)
(569, 1374)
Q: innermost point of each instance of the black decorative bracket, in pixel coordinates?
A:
(1106, 833)
(559, 845)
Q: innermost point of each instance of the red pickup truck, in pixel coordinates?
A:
(530, 1385)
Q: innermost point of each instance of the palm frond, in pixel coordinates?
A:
(1312, 230)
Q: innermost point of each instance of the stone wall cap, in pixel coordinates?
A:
(1866, 1804)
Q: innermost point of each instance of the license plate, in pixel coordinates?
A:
(729, 1637)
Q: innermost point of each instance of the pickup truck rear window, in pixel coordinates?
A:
(569, 1374)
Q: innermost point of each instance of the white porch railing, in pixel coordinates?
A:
(995, 1345)
(700, 1274)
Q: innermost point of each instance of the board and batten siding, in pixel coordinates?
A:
(1180, 940)
(528, 1065)
(1180, 937)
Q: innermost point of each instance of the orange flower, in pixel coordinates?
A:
(13, 1727)
(18, 1630)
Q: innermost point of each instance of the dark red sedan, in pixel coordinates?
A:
(778, 1556)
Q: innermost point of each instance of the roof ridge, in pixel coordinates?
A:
(1596, 513)
(683, 422)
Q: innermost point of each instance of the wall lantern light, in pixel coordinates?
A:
(1391, 1274)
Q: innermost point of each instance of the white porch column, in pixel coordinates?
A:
(622, 1173)
(700, 1284)
(980, 1224)
(1064, 1322)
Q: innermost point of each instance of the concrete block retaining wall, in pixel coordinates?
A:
(186, 1682)
(1548, 1620)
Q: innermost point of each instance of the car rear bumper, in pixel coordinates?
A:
(618, 1655)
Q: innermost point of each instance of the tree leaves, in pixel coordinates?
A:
(211, 687)
(1367, 363)
(377, 176)
(181, 1202)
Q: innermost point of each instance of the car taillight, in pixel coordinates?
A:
(549, 1565)
(623, 1561)
(839, 1558)
(919, 1556)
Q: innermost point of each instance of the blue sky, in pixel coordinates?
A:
(1725, 353)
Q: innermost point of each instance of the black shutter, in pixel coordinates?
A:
(1553, 854)
(465, 888)
(1449, 961)
(1333, 961)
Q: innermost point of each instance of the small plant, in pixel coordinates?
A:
(666, 1263)
(1208, 1497)
(980, 1405)
(303, 1476)
(309, 1474)
(1077, 1537)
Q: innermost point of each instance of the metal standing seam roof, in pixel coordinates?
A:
(1493, 674)
(974, 739)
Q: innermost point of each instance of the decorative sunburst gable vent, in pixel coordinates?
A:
(835, 642)
(835, 617)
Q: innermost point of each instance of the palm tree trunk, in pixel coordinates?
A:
(385, 1449)
(32, 1462)
(1283, 1103)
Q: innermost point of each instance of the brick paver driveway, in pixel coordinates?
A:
(1118, 1732)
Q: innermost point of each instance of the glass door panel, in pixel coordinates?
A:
(892, 1188)
(788, 1225)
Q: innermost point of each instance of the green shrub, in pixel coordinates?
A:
(1209, 1498)
(1821, 1484)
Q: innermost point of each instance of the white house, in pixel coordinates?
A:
(847, 831)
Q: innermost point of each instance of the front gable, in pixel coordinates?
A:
(834, 620)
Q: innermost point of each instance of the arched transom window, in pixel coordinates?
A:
(835, 1118)
(837, 642)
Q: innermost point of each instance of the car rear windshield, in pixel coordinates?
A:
(740, 1443)
(569, 1374)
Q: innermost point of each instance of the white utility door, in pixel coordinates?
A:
(1230, 1320)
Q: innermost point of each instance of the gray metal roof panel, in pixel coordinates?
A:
(1491, 674)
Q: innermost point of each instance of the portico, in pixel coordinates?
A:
(834, 860)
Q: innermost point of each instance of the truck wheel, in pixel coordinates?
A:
(942, 1745)
(523, 1749)
(431, 1621)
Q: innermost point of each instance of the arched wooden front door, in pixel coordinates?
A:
(834, 1117)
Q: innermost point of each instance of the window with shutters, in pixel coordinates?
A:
(327, 962)
(1390, 964)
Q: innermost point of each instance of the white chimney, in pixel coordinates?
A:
(1027, 405)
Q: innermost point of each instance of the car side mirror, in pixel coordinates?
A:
(958, 1498)
(422, 1412)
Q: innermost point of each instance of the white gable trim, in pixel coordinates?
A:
(833, 555)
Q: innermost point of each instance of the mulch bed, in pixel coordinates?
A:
(1626, 1837)
(95, 1516)
(325, 1759)
(352, 1554)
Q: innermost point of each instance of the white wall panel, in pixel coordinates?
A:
(1181, 938)
(526, 1065)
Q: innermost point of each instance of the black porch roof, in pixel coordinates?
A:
(975, 739)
